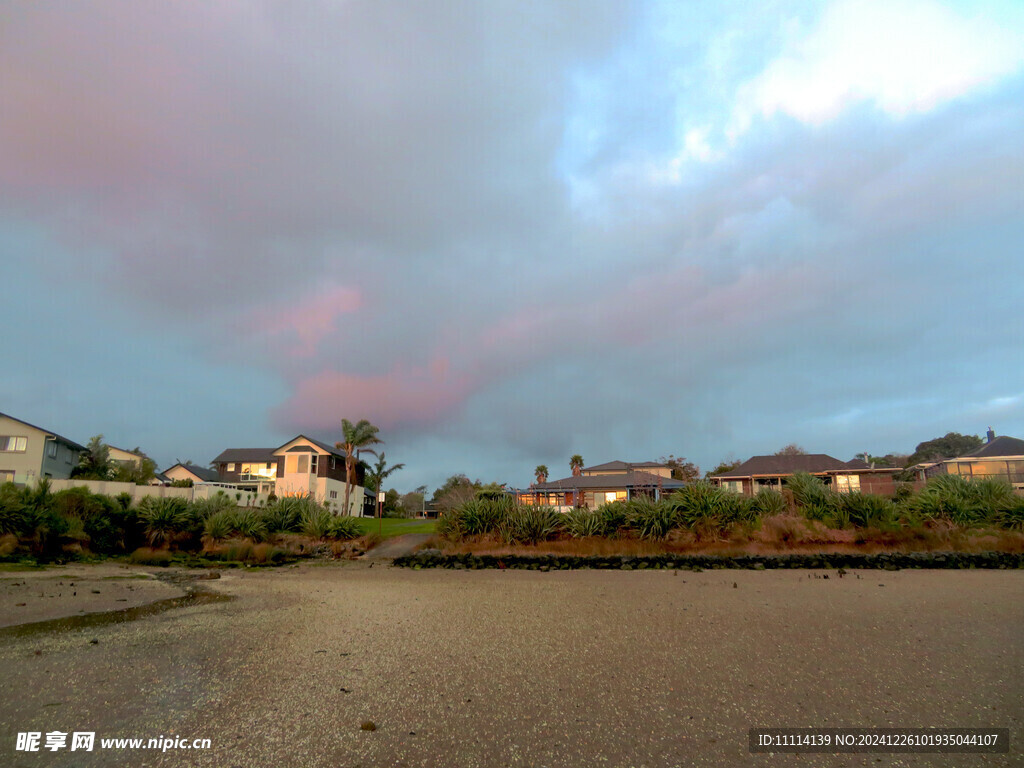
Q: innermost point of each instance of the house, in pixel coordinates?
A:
(999, 457)
(302, 466)
(192, 472)
(121, 456)
(28, 452)
(625, 467)
(602, 484)
(250, 469)
(759, 472)
(308, 466)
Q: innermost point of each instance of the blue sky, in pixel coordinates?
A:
(507, 233)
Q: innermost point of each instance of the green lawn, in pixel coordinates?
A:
(396, 526)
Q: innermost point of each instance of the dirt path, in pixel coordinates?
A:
(397, 546)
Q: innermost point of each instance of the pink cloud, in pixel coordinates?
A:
(296, 327)
(403, 396)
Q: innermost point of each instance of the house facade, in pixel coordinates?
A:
(759, 472)
(602, 484)
(999, 458)
(193, 472)
(29, 453)
(251, 469)
(302, 466)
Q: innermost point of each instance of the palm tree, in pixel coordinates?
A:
(380, 471)
(576, 464)
(355, 437)
(542, 473)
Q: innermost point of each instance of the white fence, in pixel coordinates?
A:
(137, 492)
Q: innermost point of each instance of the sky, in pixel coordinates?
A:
(509, 232)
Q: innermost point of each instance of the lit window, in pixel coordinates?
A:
(13, 444)
(231, 467)
(848, 483)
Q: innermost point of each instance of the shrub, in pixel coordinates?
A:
(316, 523)
(14, 518)
(652, 519)
(249, 524)
(581, 523)
(529, 524)
(810, 492)
(710, 510)
(163, 518)
(1011, 515)
(865, 510)
(768, 502)
(344, 528)
(219, 526)
(203, 509)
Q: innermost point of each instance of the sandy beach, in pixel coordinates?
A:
(517, 668)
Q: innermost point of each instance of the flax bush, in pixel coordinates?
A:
(315, 523)
(163, 518)
(581, 523)
(343, 528)
(529, 524)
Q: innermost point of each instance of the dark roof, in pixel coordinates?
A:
(233, 455)
(628, 480)
(319, 443)
(858, 464)
(1000, 446)
(204, 474)
(72, 443)
(627, 465)
(786, 465)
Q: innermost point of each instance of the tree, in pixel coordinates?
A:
(380, 472)
(889, 460)
(454, 492)
(355, 437)
(576, 464)
(791, 450)
(412, 502)
(542, 473)
(723, 466)
(682, 469)
(138, 472)
(949, 446)
(95, 462)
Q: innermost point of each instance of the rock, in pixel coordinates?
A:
(368, 725)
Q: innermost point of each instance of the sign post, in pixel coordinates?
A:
(381, 495)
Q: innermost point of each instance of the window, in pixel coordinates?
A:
(736, 486)
(231, 467)
(51, 450)
(313, 463)
(848, 483)
(334, 494)
(13, 444)
(6, 475)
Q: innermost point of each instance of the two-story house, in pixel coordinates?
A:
(28, 452)
(302, 466)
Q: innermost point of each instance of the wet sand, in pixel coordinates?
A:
(523, 668)
(42, 594)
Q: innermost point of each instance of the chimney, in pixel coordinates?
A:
(991, 435)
